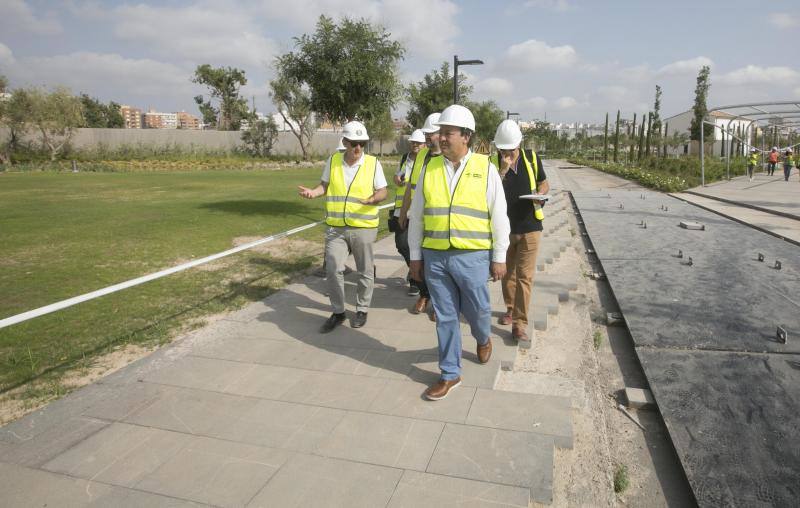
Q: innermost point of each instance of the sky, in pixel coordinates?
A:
(566, 60)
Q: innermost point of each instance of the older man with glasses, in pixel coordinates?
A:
(353, 184)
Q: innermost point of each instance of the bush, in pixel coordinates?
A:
(667, 175)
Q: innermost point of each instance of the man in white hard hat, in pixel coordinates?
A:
(415, 143)
(458, 234)
(523, 174)
(432, 149)
(772, 160)
(788, 161)
(353, 184)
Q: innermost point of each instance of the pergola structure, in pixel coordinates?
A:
(780, 114)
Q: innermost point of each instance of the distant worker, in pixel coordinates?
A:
(458, 234)
(353, 184)
(752, 162)
(432, 149)
(415, 143)
(522, 173)
(788, 161)
(772, 160)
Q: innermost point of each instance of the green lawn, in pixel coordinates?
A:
(65, 234)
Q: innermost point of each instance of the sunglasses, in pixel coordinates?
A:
(357, 143)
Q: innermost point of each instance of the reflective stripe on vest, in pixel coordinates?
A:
(463, 221)
(343, 204)
(533, 175)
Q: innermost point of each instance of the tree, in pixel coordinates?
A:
(433, 94)
(294, 106)
(99, 115)
(224, 84)
(3, 84)
(649, 134)
(632, 136)
(700, 107)
(641, 140)
(260, 137)
(381, 129)
(349, 66)
(55, 115)
(487, 117)
(665, 138)
(605, 141)
(616, 140)
(14, 112)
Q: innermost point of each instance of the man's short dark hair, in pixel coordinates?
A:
(468, 132)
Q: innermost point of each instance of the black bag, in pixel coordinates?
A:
(394, 222)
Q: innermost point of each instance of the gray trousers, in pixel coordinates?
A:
(339, 242)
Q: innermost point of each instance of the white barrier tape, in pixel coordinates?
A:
(63, 304)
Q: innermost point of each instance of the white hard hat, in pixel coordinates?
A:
(457, 116)
(430, 123)
(753, 150)
(341, 146)
(774, 148)
(417, 136)
(508, 136)
(355, 131)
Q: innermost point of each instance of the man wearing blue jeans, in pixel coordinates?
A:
(458, 234)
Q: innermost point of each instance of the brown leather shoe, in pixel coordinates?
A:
(421, 305)
(505, 319)
(441, 389)
(485, 351)
(519, 334)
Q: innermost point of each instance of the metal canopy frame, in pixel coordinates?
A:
(757, 114)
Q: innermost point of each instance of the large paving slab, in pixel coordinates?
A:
(705, 335)
(769, 193)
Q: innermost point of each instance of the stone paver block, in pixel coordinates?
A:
(191, 411)
(283, 425)
(268, 381)
(35, 448)
(640, 398)
(20, 486)
(202, 373)
(525, 412)
(127, 399)
(121, 455)
(521, 459)
(404, 398)
(329, 389)
(311, 481)
(216, 472)
(425, 490)
(383, 440)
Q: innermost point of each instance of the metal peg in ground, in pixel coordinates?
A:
(781, 335)
(761, 257)
(777, 265)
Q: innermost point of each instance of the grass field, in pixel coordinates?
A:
(65, 234)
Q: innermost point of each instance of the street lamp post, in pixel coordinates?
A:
(456, 63)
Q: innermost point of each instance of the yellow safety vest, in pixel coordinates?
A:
(533, 174)
(753, 161)
(343, 204)
(461, 221)
(401, 189)
(417, 169)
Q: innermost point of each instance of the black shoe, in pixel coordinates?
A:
(332, 322)
(359, 320)
(413, 290)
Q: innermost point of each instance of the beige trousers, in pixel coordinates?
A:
(520, 270)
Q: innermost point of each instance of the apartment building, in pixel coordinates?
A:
(157, 120)
(187, 121)
(132, 117)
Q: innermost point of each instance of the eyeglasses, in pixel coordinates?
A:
(357, 143)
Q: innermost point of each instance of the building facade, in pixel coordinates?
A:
(157, 120)
(187, 121)
(132, 117)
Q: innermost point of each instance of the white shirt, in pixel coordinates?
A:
(405, 170)
(350, 172)
(495, 198)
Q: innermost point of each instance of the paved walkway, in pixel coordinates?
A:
(259, 409)
(768, 203)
